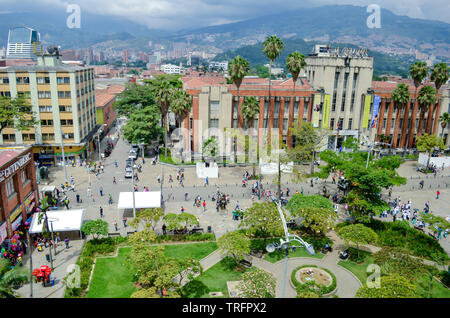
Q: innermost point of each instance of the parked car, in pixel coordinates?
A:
(128, 172)
(132, 155)
(129, 162)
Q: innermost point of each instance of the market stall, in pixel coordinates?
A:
(60, 221)
(143, 200)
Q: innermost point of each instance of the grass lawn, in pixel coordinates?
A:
(438, 290)
(300, 252)
(213, 280)
(113, 278)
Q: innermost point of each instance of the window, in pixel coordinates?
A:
(60, 94)
(214, 108)
(275, 123)
(9, 185)
(235, 123)
(46, 122)
(333, 106)
(47, 80)
(266, 107)
(6, 94)
(343, 103)
(9, 137)
(66, 80)
(24, 175)
(350, 123)
(295, 107)
(19, 80)
(28, 137)
(59, 80)
(45, 109)
(332, 123)
(285, 125)
(214, 123)
(68, 136)
(277, 107)
(255, 123)
(384, 123)
(352, 102)
(67, 94)
(305, 107)
(44, 94)
(355, 78)
(40, 80)
(67, 109)
(66, 122)
(5, 80)
(46, 137)
(392, 123)
(336, 79)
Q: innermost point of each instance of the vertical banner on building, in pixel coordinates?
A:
(376, 109)
(326, 111)
(316, 110)
(367, 102)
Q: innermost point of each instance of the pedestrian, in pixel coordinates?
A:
(334, 180)
(207, 183)
(115, 226)
(164, 229)
(182, 209)
(237, 205)
(204, 205)
(78, 198)
(124, 221)
(421, 184)
(72, 180)
(110, 201)
(217, 206)
(312, 185)
(115, 163)
(101, 212)
(390, 193)
(185, 196)
(89, 192)
(170, 178)
(437, 194)
(66, 240)
(66, 203)
(101, 191)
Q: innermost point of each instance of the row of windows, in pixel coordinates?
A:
(9, 184)
(64, 122)
(39, 80)
(47, 94)
(49, 109)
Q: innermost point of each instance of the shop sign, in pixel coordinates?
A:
(3, 232)
(15, 213)
(29, 202)
(5, 173)
(16, 223)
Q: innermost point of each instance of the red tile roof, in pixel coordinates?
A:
(8, 154)
(115, 89)
(102, 99)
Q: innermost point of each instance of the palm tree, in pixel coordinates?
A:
(400, 96)
(250, 108)
(10, 278)
(444, 119)
(418, 72)
(272, 48)
(163, 90)
(181, 105)
(237, 69)
(426, 98)
(439, 74)
(295, 62)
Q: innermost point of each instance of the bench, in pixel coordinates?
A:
(246, 261)
(196, 230)
(115, 234)
(257, 253)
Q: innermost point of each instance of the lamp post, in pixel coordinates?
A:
(63, 156)
(285, 244)
(134, 204)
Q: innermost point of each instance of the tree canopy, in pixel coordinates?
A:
(179, 221)
(234, 244)
(143, 126)
(147, 218)
(262, 219)
(257, 284)
(16, 113)
(391, 286)
(358, 234)
(96, 228)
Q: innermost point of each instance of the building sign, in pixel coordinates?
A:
(5, 173)
(29, 202)
(15, 213)
(316, 110)
(16, 223)
(367, 102)
(326, 111)
(3, 232)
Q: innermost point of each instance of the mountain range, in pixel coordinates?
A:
(326, 24)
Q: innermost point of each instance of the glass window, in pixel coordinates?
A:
(275, 123)
(40, 80)
(214, 108)
(214, 123)
(277, 107)
(66, 80)
(47, 80)
(5, 80)
(19, 80)
(295, 107)
(305, 107)
(9, 185)
(60, 94)
(59, 80)
(67, 94)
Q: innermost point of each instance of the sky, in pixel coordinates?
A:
(178, 14)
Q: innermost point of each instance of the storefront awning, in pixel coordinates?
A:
(63, 221)
(143, 200)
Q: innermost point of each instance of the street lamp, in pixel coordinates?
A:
(63, 156)
(285, 244)
(132, 176)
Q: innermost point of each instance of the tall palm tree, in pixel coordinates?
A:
(163, 89)
(439, 74)
(444, 119)
(238, 68)
(272, 48)
(181, 105)
(250, 108)
(295, 62)
(418, 72)
(400, 96)
(426, 98)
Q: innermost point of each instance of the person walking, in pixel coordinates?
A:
(101, 212)
(66, 203)
(182, 209)
(110, 201)
(101, 191)
(438, 193)
(66, 240)
(164, 229)
(114, 180)
(78, 198)
(204, 205)
(421, 183)
(89, 192)
(206, 181)
(124, 221)
(115, 226)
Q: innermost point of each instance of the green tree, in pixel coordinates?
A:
(317, 220)
(295, 62)
(301, 201)
(272, 48)
(235, 245)
(163, 88)
(179, 221)
(250, 108)
(210, 147)
(358, 234)
(257, 284)
(238, 68)
(10, 278)
(142, 238)
(397, 260)
(16, 113)
(439, 74)
(427, 97)
(143, 125)
(180, 105)
(428, 143)
(418, 72)
(96, 228)
(391, 286)
(134, 97)
(147, 218)
(262, 219)
(351, 143)
(400, 96)
(444, 119)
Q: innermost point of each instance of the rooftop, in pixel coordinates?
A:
(102, 99)
(9, 153)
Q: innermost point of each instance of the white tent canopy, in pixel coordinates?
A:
(63, 221)
(143, 200)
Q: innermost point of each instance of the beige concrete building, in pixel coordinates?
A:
(62, 98)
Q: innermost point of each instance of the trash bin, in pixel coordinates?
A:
(47, 256)
(209, 229)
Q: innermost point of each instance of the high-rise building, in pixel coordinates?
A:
(23, 43)
(63, 99)
(125, 56)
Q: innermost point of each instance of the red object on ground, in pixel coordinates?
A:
(43, 268)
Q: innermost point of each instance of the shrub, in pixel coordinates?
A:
(309, 287)
(445, 278)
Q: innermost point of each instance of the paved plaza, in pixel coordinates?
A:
(229, 182)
